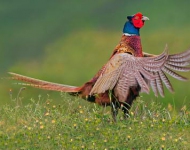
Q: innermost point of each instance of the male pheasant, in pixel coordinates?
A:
(128, 72)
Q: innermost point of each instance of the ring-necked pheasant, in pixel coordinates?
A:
(128, 72)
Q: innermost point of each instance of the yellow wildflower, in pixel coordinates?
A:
(47, 114)
(170, 107)
(163, 138)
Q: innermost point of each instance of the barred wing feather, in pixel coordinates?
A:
(175, 62)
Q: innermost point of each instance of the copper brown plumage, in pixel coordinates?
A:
(128, 72)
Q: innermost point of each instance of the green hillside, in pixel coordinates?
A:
(68, 41)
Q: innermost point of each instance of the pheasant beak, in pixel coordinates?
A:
(145, 18)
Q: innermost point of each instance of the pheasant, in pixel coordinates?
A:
(128, 72)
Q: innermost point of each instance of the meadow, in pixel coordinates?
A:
(73, 125)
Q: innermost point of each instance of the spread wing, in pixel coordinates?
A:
(124, 71)
(175, 62)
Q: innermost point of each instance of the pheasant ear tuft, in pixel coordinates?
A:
(139, 14)
(129, 18)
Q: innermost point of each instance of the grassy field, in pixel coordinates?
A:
(76, 124)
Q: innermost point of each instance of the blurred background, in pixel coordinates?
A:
(68, 41)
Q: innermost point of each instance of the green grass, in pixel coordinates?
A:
(76, 124)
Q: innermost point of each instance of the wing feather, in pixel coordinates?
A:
(166, 81)
(111, 73)
(159, 84)
(174, 74)
(181, 55)
(126, 80)
(154, 87)
(177, 68)
(179, 64)
(140, 80)
(175, 62)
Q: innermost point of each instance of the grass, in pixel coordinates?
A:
(76, 124)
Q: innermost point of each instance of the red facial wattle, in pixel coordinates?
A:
(137, 20)
(138, 23)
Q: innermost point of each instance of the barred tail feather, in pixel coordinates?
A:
(43, 84)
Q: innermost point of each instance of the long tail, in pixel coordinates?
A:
(43, 84)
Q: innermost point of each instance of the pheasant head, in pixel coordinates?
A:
(134, 23)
